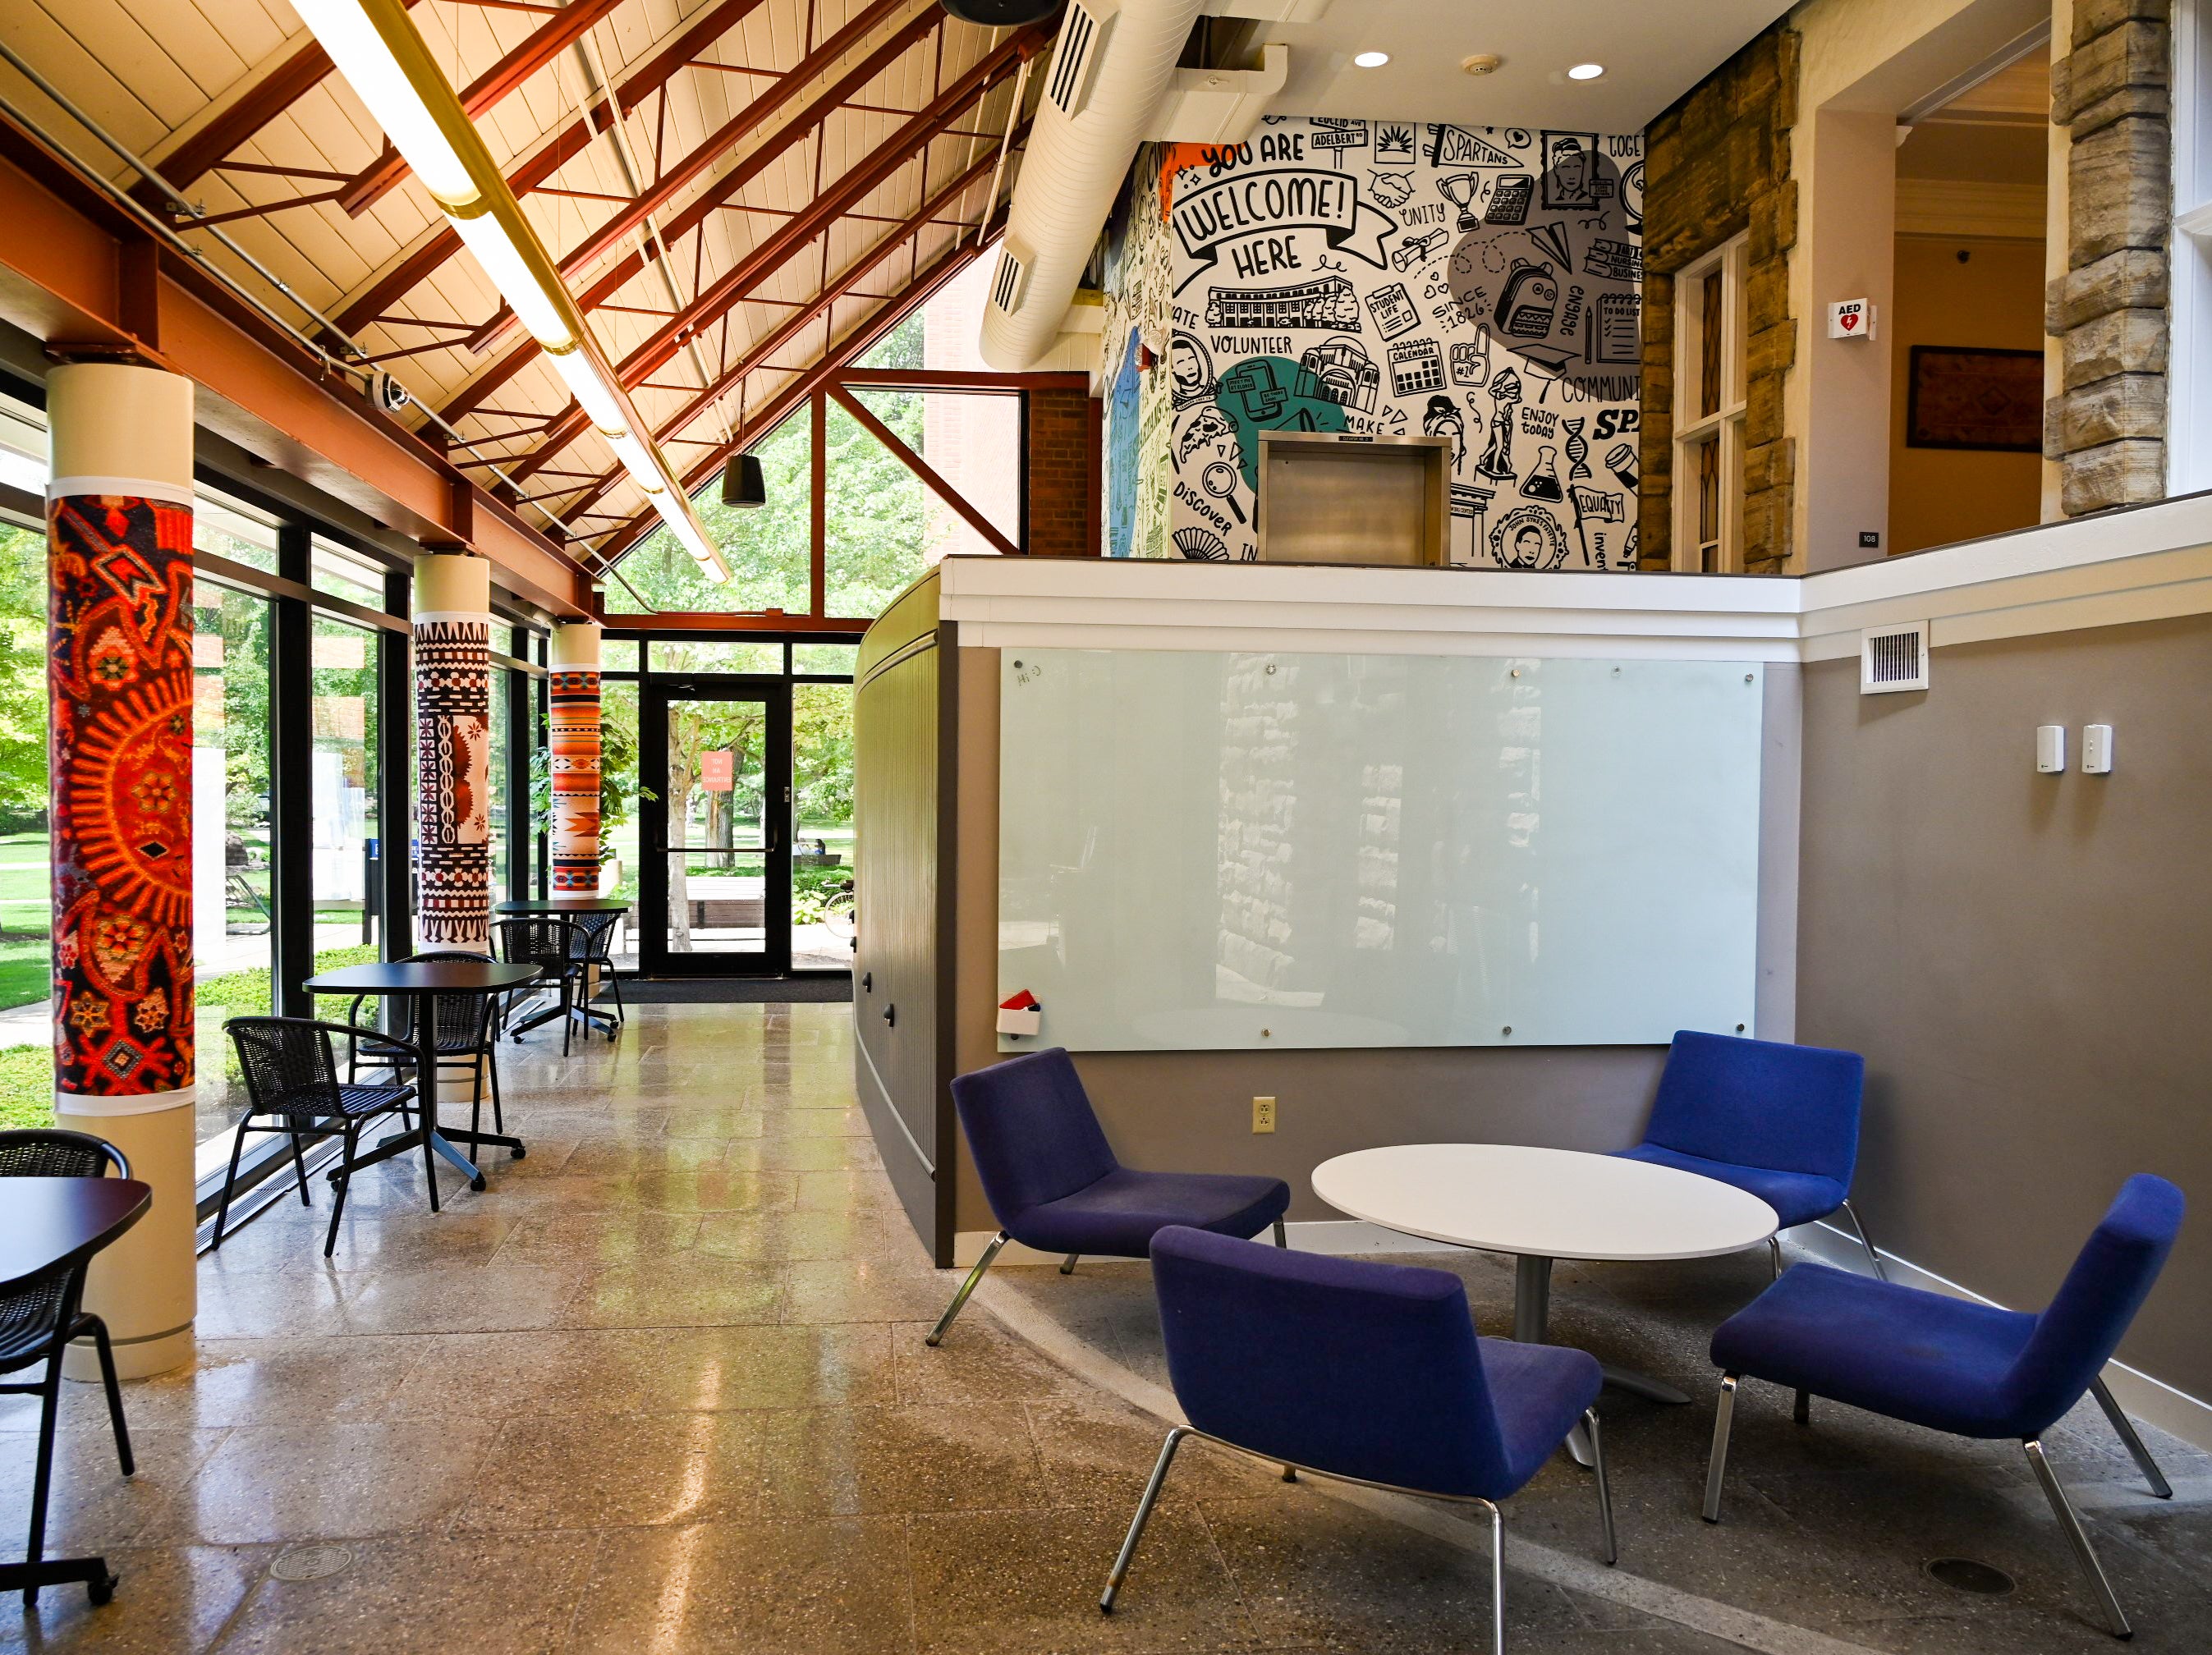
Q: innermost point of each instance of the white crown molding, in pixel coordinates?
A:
(2150, 562)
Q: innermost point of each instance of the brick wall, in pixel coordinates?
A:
(1064, 512)
(2107, 427)
(1715, 165)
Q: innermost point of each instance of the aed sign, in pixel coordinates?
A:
(1850, 318)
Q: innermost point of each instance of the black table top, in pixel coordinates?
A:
(421, 977)
(49, 1223)
(559, 904)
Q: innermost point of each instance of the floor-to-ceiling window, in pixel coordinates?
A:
(26, 885)
(233, 832)
(347, 799)
(717, 762)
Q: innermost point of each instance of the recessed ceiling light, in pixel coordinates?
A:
(1585, 71)
(1371, 60)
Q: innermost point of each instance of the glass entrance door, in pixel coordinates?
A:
(715, 880)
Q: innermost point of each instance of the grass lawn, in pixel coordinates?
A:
(26, 1072)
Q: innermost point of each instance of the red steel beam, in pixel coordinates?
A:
(729, 291)
(259, 104)
(78, 273)
(565, 146)
(632, 216)
(484, 94)
(878, 322)
(770, 253)
(792, 326)
(921, 468)
(679, 177)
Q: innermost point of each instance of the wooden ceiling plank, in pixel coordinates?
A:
(296, 72)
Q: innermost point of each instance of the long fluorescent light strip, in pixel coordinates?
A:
(355, 45)
(486, 238)
(581, 376)
(352, 41)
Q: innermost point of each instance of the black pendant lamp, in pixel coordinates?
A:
(1001, 14)
(742, 483)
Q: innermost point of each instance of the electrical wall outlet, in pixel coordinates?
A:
(1263, 1114)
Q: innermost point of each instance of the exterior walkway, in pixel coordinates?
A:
(662, 1387)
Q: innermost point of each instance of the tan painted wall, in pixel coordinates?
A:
(2021, 958)
(1939, 495)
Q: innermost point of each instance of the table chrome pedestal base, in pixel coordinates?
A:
(1532, 1317)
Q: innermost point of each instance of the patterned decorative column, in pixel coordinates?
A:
(119, 669)
(452, 696)
(573, 697)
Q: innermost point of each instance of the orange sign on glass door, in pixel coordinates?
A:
(716, 771)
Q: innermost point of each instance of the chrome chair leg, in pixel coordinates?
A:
(1604, 1488)
(1774, 1251)
(1151, 1495)
(1723, 1417)
(2084, 1553)
(1067, 1265)
(1872, 1257)
(937, 1333)
(2130, 1441)
(1497, 1579)
(1282, 1236)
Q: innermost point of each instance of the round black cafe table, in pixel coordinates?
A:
(49, 1225)
(421, 981)
(561, 905)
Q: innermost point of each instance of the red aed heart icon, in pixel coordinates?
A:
(1850, 319)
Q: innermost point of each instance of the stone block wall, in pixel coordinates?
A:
(1718, 164)
(2107, 427)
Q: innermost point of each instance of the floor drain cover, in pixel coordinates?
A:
(310, 1563)
(1964, 1574)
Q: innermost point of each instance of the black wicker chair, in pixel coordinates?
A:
(595, 936)
(463, 1040)
(291, 1083)
(40, 1317)
(549, 942)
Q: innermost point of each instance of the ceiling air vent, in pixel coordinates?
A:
(1012, 280)
(1893, 658)
(1075, 58)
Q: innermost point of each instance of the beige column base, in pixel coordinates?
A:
(146, 1286)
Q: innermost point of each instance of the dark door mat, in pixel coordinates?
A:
(736, 990)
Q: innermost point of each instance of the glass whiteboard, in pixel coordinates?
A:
(1206, 850)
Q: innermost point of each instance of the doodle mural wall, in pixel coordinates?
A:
(1478, 283)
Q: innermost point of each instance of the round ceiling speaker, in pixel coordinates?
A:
(1001, 14)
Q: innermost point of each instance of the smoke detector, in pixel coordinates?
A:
(1482, 62)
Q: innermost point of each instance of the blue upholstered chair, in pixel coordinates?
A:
(1368, 1373)
(1953, 1365)
(1779, 1121)
(1054, 1184)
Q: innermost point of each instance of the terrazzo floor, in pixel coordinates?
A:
(662, 1387)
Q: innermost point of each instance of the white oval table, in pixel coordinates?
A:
(1541, 1205)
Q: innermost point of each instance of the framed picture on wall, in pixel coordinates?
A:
(1961, 397)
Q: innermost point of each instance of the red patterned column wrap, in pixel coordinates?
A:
(119, 666)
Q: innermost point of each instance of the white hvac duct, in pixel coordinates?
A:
(1110, 71)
